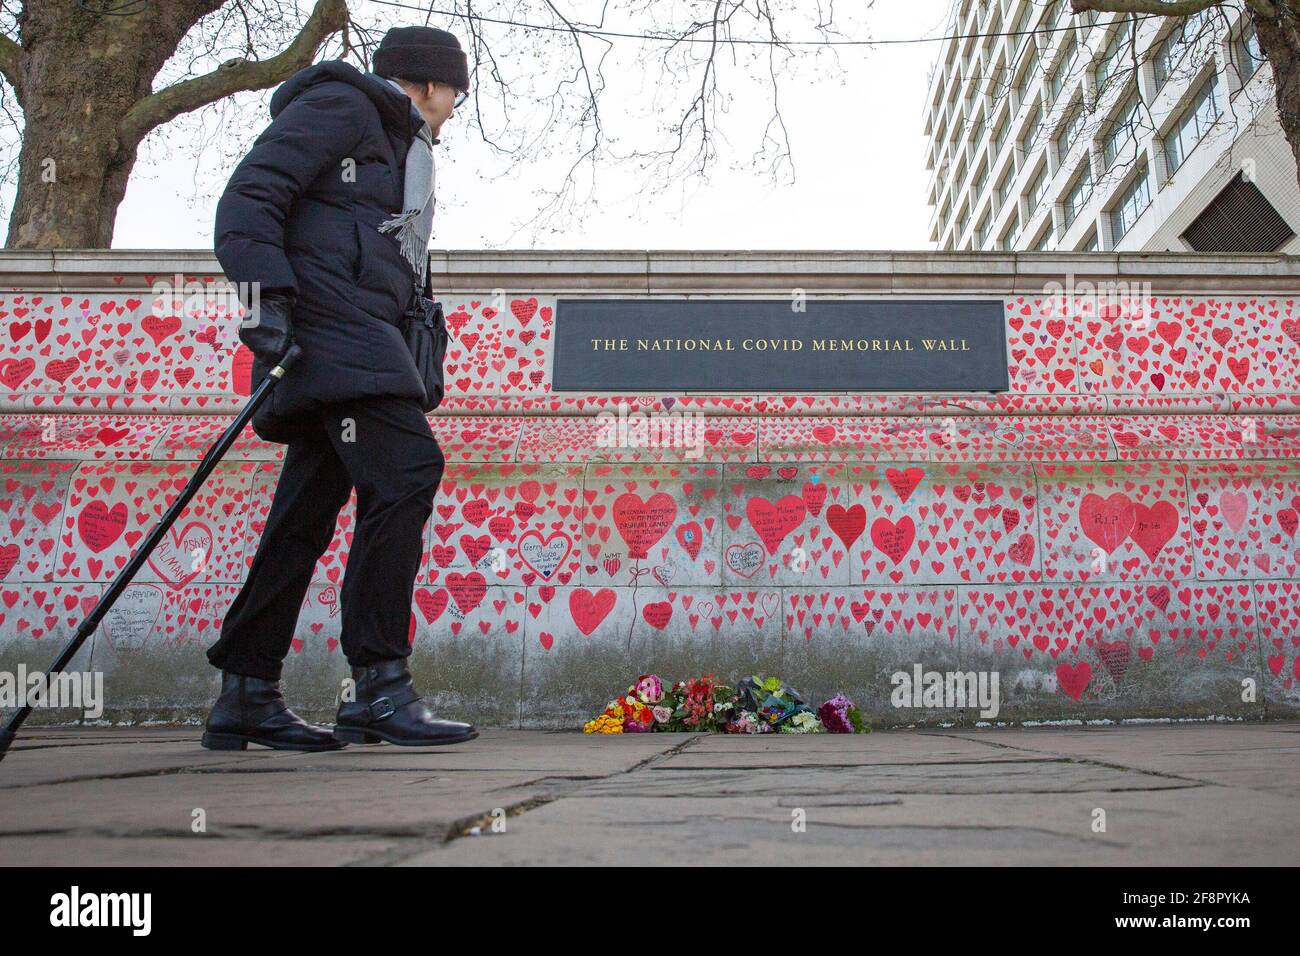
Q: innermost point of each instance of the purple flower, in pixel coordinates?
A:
(834, 715)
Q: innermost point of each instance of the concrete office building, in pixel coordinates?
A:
(1051, 131)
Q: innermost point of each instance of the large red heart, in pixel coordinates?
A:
(772, 522)
(468, 590)
(895, 540)
(588, 609)
(847, 523)
(1074, 679)
(643, 523)
(1107, 522)
(99, 526)
(1154, 526)
(904, 482)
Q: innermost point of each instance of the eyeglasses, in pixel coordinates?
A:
(461, 97)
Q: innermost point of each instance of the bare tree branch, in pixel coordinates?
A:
(1167, 8)
(11, 55)
(328, 18)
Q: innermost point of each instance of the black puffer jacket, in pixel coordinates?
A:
(298, 215)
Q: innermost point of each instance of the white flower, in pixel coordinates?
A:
(802, 723)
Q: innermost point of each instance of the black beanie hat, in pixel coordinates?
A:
(422, 54)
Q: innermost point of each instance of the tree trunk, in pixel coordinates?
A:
(84, 82)
(71, 176)
(1279, 41)
(80, 75)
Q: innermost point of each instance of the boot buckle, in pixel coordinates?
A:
(381, 708)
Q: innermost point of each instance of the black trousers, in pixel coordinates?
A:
(384, 448)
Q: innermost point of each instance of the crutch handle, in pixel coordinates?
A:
(287, 360)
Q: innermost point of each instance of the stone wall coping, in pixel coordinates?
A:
(721, 272)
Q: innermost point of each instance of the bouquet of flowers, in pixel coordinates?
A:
(699, 704)
(840, 715)
(768, 705)
(745, 722)
(642, 708)
(757, 705)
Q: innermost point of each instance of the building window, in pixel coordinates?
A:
(1032, 128)
(1007, 238)
(982, 232)
(992, 31)
(1177, 43)
(1193, 126)
(1246, 48)
(1000, 136)
(1090, 244)
(999, 79)
(1061, 72)
(1123, 130)
(1117, 50)
(1022, 24)
(981, 179)
(1071, 131)
(1004, 187)
(1037, 186)
(1040, 244)
(1029, 73)
(1133, 201)
(1079, 194)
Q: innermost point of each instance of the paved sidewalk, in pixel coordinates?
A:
(1182, 794)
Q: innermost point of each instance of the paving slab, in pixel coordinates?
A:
(1181, 794)
(1187, 827)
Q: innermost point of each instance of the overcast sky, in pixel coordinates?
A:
(856, 141)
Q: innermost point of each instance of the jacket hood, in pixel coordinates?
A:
(395, 108)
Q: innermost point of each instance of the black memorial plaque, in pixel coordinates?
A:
(762, 345)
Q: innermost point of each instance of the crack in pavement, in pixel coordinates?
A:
(920, 827)
(1092, 762)
(868, 766)
(483, 821)
(425, 837)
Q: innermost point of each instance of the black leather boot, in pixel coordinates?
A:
(389, 708)
(252, 710)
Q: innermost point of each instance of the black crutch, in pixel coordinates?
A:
(214, 455)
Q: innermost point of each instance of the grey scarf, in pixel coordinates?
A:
(414, 224)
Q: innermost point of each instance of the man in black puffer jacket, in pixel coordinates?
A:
(309, 219)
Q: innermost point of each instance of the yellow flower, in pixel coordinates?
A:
(603, 724)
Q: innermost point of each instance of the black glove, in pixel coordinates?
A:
(268, 331)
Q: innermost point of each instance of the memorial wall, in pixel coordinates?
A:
(1081, 473)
